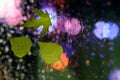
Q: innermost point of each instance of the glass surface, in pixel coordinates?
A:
(87, 30)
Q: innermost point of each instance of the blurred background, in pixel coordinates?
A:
(93, 51)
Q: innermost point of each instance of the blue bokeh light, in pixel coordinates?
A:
(108, 30)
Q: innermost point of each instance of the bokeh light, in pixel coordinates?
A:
(10, 12)
(72, 26)
(107, 30)
(114, 75)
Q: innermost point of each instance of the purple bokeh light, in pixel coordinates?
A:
(68, 49)
(114, 75)
(72, 26)
(107, 30)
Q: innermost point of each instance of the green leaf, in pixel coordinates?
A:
(50, 52)
(39, 12)
(20, 45)
(43, 21)
(34, 23)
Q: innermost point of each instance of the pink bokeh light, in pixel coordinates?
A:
(10, 12)
(72, 26)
